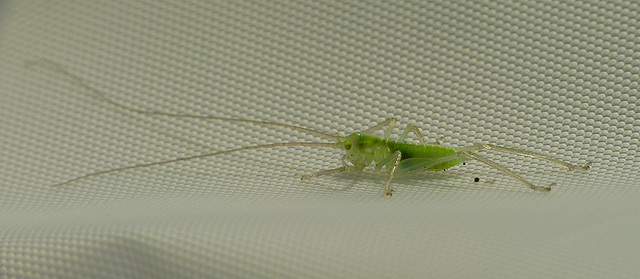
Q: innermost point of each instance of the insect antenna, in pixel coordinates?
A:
(79, 81)
(317, 144)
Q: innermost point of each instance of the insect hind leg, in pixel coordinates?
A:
(469, 152)
(508, 172)
(526, 153)
(389, 122)
(416, 131)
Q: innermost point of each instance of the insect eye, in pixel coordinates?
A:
(347, 146)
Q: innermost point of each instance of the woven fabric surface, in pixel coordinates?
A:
(556, 77)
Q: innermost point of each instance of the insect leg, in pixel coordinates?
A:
(390, 122)
(526, 153)
(392, 172)
(508, 172)
(417, 132)
(345, 167)
(322, 172)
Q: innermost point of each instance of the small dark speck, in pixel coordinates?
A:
(477, 179)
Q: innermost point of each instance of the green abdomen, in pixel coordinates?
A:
(411, 151)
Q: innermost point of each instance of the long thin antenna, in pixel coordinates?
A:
(78, 80)
(321, 144)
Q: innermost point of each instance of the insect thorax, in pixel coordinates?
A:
(363, 149)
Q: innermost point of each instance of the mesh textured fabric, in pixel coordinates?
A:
(557, 77)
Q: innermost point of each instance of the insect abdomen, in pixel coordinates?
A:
(410, 151)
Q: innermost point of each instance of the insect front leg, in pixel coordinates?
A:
(345, 167)
(394, 159)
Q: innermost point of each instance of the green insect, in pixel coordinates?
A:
(361, 148)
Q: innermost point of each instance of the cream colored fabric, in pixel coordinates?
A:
(556, 77)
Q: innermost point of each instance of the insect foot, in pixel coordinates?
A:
(586, 167)
(388, 194)
(543, 189)
(303, 177)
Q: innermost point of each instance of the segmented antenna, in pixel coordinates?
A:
(78, 80)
